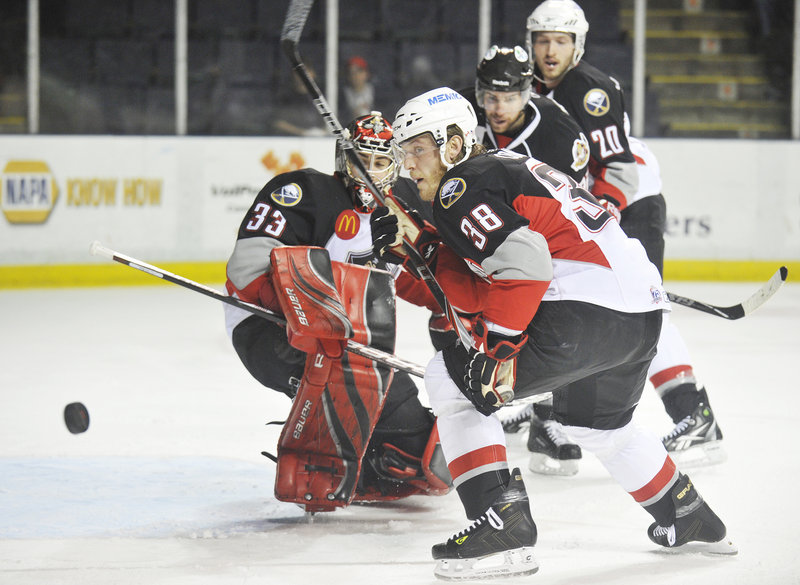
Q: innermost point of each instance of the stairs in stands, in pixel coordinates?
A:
(705, 73)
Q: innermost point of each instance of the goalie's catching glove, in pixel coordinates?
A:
(391, 224)
(491, 370)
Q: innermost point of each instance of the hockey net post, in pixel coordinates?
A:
(385, 358)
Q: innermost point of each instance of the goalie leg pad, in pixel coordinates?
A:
(337, 405)
(304, 284)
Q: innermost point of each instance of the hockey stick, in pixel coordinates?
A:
(387, 359)
(296, 18)
(758, 298)
(292, 28)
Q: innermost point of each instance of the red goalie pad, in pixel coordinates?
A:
(339, 400)
(305, 287)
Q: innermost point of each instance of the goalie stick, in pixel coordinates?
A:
(296, 17)
(758, 298)
(388, 359)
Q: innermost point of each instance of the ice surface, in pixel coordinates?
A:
(168, 485)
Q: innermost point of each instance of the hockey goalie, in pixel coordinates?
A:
(355, 431)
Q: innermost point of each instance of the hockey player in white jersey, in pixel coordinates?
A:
(549, 278)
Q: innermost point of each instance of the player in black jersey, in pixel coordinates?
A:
(331, 211)
(549, 277)
(556, 36)
(511, 116)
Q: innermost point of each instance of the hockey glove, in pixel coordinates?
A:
(392, 224)
(611, 208)
(491, 371)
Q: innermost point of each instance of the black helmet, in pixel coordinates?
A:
(504, 69)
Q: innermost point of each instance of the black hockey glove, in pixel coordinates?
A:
(391, 224)
(385, 234)
(491, 371)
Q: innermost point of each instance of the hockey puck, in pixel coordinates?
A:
(77, 417)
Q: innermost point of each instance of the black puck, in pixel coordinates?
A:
(77, 417)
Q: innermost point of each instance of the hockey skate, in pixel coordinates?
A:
(696, 527)
(697, 439)
(498, 544)
(551, 451)
(517, 420)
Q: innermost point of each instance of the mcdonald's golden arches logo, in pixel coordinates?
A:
(347, 224)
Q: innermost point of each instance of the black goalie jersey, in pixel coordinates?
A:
(308, 208)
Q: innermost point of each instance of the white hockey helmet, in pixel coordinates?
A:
(563, 16)
(435, 111)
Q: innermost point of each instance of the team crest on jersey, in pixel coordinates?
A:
(288, 195)
(596, 102)
(347, 224)
(580, 153)
(451, 191)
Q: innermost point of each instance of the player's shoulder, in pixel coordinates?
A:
(585, 76)
(551, 112)
(588, 93)
(303, 187)
(490, 168)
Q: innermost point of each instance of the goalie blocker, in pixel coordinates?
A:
(327, 454)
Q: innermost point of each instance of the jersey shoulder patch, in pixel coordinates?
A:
(451, 190)
(596, 102)
(287, 195)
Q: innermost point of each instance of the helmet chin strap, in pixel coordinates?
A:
(443, 155)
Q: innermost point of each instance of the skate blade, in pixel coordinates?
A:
(724, 547)
(711, 453)
(544, 465)
(509, 563)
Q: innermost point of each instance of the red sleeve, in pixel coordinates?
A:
(602, 189)
(259, 292)
(415, 291)
(513, 303)
(464, 289)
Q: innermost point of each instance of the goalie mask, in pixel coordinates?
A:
(372, 141)
(434, 112)
(504, 69)
(564, 16)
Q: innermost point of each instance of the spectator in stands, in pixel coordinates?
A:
(358, 91)
(295, 114)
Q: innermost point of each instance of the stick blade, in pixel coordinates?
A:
(763, 294)
(295, 21)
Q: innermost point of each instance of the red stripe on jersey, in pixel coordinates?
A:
(602, 189)
(670, 374)
(639, 160)
(475, 459)
(657, 484)
(563, 238)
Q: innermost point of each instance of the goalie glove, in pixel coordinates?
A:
(491, 369)
(392, 224)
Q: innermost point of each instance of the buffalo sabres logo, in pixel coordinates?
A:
(288, 195)
(451, 191)
(596, 102)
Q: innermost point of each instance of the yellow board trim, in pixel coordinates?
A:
(115, 274)
(112, 274)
